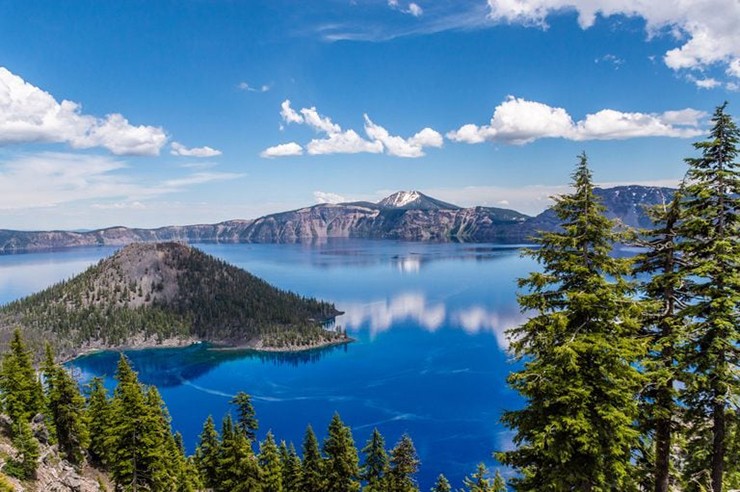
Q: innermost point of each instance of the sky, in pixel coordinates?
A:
(148, 113)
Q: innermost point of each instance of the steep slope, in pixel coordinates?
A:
(147, 294)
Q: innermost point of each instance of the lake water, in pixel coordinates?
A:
(429, 359)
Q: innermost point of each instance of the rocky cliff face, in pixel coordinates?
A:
(403, 215)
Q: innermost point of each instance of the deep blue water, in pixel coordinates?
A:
(429, 359)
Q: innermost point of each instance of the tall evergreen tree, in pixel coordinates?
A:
(479, 482)
(404, 465)
(442, 484)
(27, 448)
(292, 476)
(341, 469)
(238, 470)
(271, 465)
(98, 415)
(20, 390)
(207, 454)
(67, 407)
(312, 469)
(578, 351)
(663, 297)
(499, 484)
(135, 438)
(376, 462)
(246, 419)
(711, 247)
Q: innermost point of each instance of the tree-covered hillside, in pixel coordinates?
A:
(146, 294)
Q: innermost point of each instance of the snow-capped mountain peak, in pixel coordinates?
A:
(414, 200)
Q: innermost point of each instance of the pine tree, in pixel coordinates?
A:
(27, 448)
(478, 482)
(312, 469)
(98, 414)
(341, 469)
(663, 326)
(578, 351)
(246, 416)
(207, 454)
(442, 484)
(238, 470)
(711, 247)
(499, 484)
(272, 468)
(404, 465)
(376, 462)
(136, 438)
(67, 409)
(20, 390)
(292, 473)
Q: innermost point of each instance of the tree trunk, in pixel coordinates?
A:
(663, 441)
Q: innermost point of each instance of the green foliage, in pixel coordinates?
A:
(664, 327)
(246, 421)
(20, 390)
(238, 470)
(341, 469)
(271, 465)
(207, 453)
(5, 485)
(67, 408)
(579, 351)
(404, 465)
(27, 448)
(441, 485)
(312, 469)
(479, 481)
(375, 465)
(183, 293)
(711, 248)
(292, 473)
(98, 415)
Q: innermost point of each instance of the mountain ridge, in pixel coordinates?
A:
(405, 215)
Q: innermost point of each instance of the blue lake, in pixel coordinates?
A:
(429, 360)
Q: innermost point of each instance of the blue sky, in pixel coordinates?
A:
(148, 113)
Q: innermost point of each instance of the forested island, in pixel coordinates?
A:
(168, 294)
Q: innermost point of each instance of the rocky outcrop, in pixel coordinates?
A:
(403, 215)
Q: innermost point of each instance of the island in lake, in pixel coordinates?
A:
(168, 294)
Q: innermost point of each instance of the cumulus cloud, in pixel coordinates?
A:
(282, 150)
(180, 150)
(327, 197)
(29, 114)
(335, 140)
(400, 147)
(707, 29)
(49, 179)
(518, 121)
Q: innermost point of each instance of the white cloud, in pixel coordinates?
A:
(415, 10)
(50, 179)
(29, 114)
(347, 142)
(181, 150)
(339, 141)
(518, 121)
(400, 147)
(288, 114)
(282, 150)
(707, 28)
(244, 86)
(383, 314)
(412, 9)
(328, 197)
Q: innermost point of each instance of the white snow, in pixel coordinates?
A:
(401, 198)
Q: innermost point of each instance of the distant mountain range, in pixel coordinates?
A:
(407, 215)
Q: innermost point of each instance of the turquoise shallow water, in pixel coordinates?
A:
(429, 358)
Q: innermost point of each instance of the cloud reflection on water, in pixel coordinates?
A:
(381, 315)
